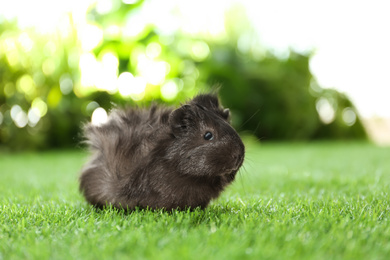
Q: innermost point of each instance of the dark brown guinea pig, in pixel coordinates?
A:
(162, 158)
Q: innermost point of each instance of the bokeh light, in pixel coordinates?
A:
(325, 110)
(199, 50)
(26, 42)
(33, 116)
(89, 55)
(91, 107)
(154, 72)
(66, 84)
(19, 116)
(99, 116)
(125, 84)
(88, 69)
(106, 74)
(130, 2)
(40, 106)
(26, 85)
(349, 116)
(153, 50)
(138, 87)
(169, 90)
(90, 36)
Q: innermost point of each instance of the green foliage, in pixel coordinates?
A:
(51, 84)
(275, 99)
(339, 128)
(291, 201)
(37, 77)
(270, 98)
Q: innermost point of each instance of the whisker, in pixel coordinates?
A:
(240, 127)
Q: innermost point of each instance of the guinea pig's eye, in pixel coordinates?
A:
(208, 136)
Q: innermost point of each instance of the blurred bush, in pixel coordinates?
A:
(278, 99)
(51, 84)
(39, 76)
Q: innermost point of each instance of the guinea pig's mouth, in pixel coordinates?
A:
(239, 163)
(230, 171)
(231, 165)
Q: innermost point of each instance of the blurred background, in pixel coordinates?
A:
(288, 70)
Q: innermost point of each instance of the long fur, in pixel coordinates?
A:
(159, 157)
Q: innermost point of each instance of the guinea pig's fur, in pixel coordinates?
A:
(161, 157)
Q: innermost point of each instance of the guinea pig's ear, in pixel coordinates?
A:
(226, 113)
(182, 119)
(207, 100)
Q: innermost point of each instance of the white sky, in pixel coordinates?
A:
(351, 39)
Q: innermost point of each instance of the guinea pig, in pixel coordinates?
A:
(162, 158)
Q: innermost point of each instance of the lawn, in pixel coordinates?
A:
(291, 201)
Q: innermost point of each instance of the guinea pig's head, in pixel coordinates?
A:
(204, 142)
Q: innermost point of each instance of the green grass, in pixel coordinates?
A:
(292, 201)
